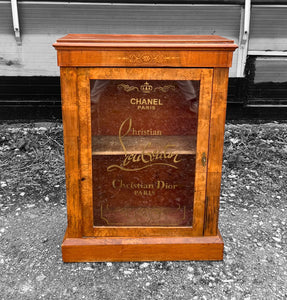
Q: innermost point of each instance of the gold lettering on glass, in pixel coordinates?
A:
(146, 157)
(146, 88)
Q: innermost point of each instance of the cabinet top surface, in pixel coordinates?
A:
(139, 41)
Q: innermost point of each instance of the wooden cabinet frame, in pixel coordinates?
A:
(86, 57)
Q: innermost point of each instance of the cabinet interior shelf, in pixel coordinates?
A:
(111, 145)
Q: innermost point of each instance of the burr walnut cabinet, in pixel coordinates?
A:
(143, 121)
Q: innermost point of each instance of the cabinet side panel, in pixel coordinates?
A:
(71, 136)
(216, 140)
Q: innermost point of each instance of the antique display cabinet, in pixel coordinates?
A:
(143, 119)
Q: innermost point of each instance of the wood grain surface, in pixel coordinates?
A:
(142, 249)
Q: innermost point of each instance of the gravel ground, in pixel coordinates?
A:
(253, 216)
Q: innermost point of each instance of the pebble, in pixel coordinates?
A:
(232, 176)
(127, 272)
(195, 280)
(42, 129)
(40, 277)
(144, 265)
(227, 280)
(109, 264)
(88, 269)
(66, 293)
(276, 239)
(25, 288)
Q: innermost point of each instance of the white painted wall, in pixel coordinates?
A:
(42, 23)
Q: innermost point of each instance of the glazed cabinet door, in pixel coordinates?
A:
(143, 150)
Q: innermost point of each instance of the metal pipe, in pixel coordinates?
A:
(16, 25)
(243, 38)
(247, 12)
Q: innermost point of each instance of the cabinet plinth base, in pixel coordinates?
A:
(142, 248)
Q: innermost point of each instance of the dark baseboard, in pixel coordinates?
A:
(30, 98)
(39, 99)
(237, 111)
(30, 113)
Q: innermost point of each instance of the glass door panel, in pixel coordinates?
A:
(144, 151)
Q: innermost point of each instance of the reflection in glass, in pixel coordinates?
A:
(144, 145)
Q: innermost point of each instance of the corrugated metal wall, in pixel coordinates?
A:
(270, 70)
(268, 28)
(268, 41)
(42, 23)
(268, 54)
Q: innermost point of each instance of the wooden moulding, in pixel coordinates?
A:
(144, 58)
(76, 50)
(142, 249)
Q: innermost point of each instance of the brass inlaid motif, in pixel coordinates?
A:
(165, 88)
(147, 58)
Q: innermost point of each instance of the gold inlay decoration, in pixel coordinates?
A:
(147, 58)
(146, 88)
(165, 88)
(127, 88)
